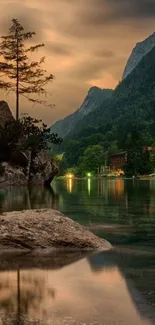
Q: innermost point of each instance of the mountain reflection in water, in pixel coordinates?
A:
(92, 290)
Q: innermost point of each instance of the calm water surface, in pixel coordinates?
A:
(109, 288)
(123, 211)
(93, 290)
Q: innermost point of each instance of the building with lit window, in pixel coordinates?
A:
(117, 162)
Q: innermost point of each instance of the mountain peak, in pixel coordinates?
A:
(93, 88)
(95, 97)
(140, 50)
(147, 38)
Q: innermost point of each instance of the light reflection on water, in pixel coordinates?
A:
(95, 288)
(89, 185)
(69, 183)
(106, 202)
(90, 291)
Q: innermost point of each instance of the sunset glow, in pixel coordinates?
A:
(86, 43)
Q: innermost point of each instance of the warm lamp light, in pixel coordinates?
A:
(69, 175)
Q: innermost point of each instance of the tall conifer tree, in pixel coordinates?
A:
(18, 74)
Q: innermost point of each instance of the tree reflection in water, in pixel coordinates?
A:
(95, 290)
(23, 198)
(17, 302)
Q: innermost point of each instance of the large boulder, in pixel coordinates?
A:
(45, 229)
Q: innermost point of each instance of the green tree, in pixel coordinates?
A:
(25, 134)
(138, 156)
(63, 165)
(113, 149)
(72, 153)
(94, 157)
(152, 158)
(23, 77)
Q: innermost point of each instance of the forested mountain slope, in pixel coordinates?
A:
(94, 98)
(133, 99)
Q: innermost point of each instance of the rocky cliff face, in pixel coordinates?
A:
(5, 113)
(94, 98)
(34, 171)
(141, 49)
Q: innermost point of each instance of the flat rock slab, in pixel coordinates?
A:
(45, 229)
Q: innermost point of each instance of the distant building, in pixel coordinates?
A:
(117, 161)
(149, 148)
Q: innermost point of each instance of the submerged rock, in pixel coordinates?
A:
(45, 229)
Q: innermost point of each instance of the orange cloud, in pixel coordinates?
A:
(87, 43)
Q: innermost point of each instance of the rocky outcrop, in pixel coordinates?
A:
(23, 170)
(13, 175)
(5, 113)
(45, 229)
(20, 168)
(42, 169)
(94, 98)
(141, 49)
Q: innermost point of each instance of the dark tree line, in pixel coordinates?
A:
(25, 134)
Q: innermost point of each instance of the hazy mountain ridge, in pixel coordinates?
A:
(135, 95)
(139, 51)
(95, 97)
(101, 107)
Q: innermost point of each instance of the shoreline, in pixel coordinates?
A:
(106, 178)
(26, 184)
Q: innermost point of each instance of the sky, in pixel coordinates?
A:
(87, 43)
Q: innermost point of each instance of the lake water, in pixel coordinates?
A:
(122, 211)
(94, 290)
(114, 287)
